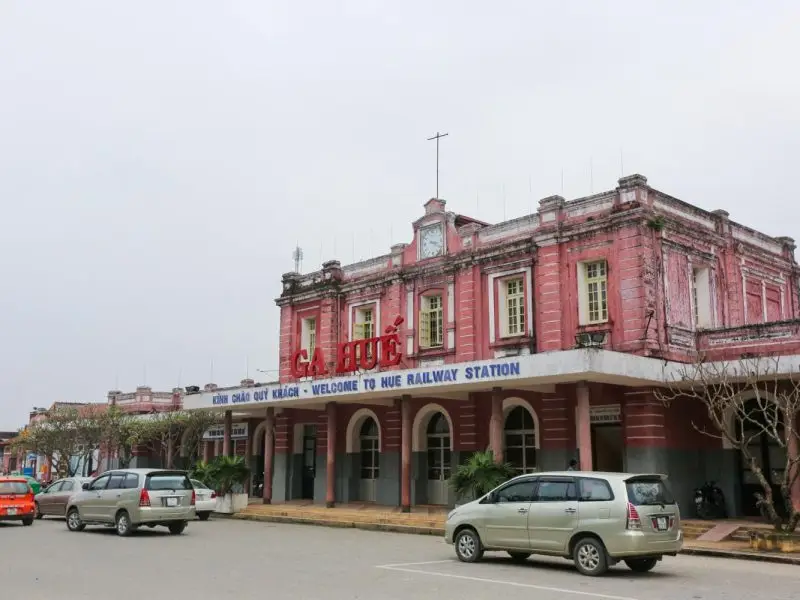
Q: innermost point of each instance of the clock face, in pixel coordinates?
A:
(431, 241)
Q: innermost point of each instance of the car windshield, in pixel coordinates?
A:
(199, 485)
(13, 487)
(168, 481)
(649, 492)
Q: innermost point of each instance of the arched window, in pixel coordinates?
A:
(520, 440)
(370, 453)
(438, 434)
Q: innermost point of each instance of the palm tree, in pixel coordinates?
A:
(480, 475)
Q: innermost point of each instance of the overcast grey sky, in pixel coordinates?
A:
(159, 160)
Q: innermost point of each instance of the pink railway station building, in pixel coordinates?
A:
(541, 338)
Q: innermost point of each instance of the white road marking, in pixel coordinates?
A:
(531, 586)
(414, 564)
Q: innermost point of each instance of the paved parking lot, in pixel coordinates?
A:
(256, 560)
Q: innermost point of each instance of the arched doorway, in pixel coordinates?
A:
(519, 434)
(439, 458)
(769, 456)
(369, 444)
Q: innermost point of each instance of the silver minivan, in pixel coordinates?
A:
(595, 519)
(127, 499)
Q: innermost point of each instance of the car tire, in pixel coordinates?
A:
(641, 565)
(590, 557)
(203, 516)
(123, 525)
(468, 546)
(74, 522)
(28, 521)
(39, 514)
(177, 528)
(519, 557)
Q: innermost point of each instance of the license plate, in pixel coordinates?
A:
(661, 523)
(172, 502)
(11, 511)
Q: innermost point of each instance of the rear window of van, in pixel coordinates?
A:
(652, 491)
(168, 481)
(14, 487)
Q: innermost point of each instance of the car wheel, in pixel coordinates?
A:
(590, 557)
(74, 522)
(123, 524)
(519, 556)
(39, 514)
(641, 565)
(177, 528)
(468, 546)
(28, 521)
(203, 516)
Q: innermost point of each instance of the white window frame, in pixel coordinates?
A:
(583, 292)
(308, 335)
(504, 307)
(700, 293)
(526, 274)
(425, 314)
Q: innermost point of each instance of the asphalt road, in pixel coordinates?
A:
(263, 560)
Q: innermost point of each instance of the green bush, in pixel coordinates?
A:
(224, 474)
(479, 475)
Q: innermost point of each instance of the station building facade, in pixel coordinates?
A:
(543, 339)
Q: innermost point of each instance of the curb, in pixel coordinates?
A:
(434, 531)
(751, 556)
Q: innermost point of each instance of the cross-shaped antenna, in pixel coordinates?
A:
(437, 137)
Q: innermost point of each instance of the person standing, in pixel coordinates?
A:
(573, 465)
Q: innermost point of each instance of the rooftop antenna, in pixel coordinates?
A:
(437, 137)
(297, 256)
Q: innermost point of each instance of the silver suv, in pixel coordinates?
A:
(129, 498)
(595, 519)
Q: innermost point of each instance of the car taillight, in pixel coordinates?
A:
(144, 498)
(194, 498)
(634, 522)
(213, 495)
(29, 497)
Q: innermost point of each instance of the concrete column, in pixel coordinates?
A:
(226, 435)
(792, 451)
(208, 451)
(269, 451)
(217, 448)
(405, 453)
(330, 472)
(496, 425)
(584, 426)
(248, 450)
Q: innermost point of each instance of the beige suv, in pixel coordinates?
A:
(595, 519)
(127, 499)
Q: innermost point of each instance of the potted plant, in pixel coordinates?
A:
(479, 475)
(228, 475)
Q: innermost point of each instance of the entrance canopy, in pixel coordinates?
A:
(535, 371)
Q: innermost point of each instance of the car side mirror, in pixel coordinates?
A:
(490, 498)
(85, 486)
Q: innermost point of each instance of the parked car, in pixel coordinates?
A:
(53, 500)
(16, 500)
(206, 500)
(595, 519)
(127, 499)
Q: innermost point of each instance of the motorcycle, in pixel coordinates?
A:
(709, 502)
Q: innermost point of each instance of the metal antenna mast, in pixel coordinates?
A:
(437, 137)
(297, 256)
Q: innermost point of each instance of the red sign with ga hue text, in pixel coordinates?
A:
(382, 351)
